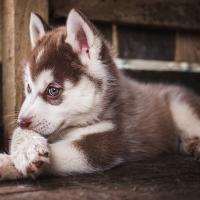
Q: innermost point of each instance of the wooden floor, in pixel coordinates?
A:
(174, 178)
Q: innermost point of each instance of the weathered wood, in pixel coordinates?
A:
(182, 14)
(0, 32)
(187, 47)
(188, 80)
(16, 43)
(115, 40)
(1, 123)
(156, 179)
(155, 65)
(145, 43)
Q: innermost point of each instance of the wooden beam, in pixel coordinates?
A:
(155, 65)
(0, 32)
(187, 47)
(183, 14)
(16, 44)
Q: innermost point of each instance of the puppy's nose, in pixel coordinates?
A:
(24, 122)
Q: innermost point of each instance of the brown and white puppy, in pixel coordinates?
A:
(82, 115)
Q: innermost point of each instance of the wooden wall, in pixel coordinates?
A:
(16, 14)
(181, 14)
(1, 32)
(152, 30)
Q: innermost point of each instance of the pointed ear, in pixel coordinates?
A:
(81, 33)
(37, 28)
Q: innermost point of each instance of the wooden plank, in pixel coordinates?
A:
(187, 47)
(1, 124)
(182, 14)
(166, 177)
(145, 43)
(16, 44)
(155, 65)
(181, 78)
(0, 32)
(115, 40)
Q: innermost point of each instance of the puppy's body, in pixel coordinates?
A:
(83, 115)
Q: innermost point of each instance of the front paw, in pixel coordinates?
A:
(31, 155)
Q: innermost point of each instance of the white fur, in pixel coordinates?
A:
(27, 78)
(81, 104)
(78, 133)
(36, 29)
(185, 119)
(66, 157)
(26, 148)
(34, 106)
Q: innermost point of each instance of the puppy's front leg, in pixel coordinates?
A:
(29, 151)
(86, 149)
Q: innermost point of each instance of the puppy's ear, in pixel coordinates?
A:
(37, 28)
(81, 34)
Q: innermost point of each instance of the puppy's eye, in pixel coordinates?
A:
(53, 91)
(29, 89)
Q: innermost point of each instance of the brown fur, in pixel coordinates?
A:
(141, 113)
(102, 149)
(58, 57)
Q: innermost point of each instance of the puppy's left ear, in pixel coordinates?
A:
(82, 35)
(37, 28)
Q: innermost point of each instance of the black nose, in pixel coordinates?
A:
(24, 122)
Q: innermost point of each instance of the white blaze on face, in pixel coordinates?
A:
(81, 103)
(34, 106)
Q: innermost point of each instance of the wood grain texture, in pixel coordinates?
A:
(145, 43)
(167, 177)
(187, 47)
(16, 43)
(0, 32)
(183, 14)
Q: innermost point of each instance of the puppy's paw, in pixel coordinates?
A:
(8, 170)
(36, 162)
(191, 146)
(31, 155)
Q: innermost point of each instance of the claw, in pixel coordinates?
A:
(38, 163)
(45, 154)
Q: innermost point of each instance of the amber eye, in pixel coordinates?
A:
(28, 88)
(53, 91)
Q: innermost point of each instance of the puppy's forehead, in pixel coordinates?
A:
(41, 82)
(53, 53)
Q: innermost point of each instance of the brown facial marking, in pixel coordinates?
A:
(97, 82)
(58, 56)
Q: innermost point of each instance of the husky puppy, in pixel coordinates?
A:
(82, 115)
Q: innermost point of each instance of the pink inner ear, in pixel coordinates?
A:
(82, 39)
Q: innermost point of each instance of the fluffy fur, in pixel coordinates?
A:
(98, 118)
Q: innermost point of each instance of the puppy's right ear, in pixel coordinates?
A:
(37, 28)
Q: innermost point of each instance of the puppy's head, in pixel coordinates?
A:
(66, 75)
